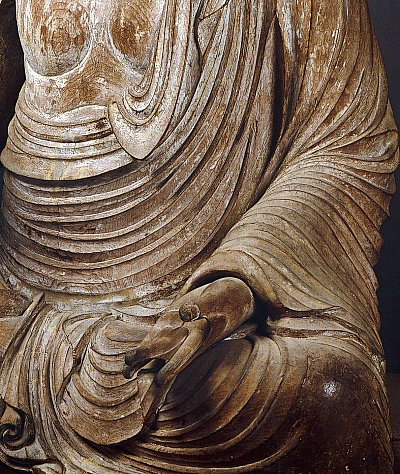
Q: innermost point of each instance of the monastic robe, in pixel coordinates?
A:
(276, 167)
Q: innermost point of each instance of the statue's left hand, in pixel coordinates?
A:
(193, 323)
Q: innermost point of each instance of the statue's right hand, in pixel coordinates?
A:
(193, 323)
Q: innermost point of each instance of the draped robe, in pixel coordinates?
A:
(278, 171)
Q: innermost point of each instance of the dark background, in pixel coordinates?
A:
(386, 19)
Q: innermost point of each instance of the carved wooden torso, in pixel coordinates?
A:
(87, 86)
(89, 107)
(59, 37)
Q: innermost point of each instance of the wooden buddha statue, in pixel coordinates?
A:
(192, 197)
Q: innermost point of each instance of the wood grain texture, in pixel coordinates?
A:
(190, 219)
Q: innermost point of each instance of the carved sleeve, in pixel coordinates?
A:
(312, 238)
(308, 245)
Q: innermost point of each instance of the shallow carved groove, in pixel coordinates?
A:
(191, 205)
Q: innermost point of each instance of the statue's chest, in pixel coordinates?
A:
(57, 35)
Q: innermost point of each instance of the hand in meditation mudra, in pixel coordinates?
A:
(192, 197)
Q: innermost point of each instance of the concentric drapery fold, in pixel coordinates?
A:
(146, 227)
(314, 234)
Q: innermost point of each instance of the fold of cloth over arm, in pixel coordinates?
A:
(311, 240)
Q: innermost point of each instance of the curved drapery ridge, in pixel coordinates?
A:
(105, 78)
(314, 234)
(201, 426)
(142, 118)
(154, 223)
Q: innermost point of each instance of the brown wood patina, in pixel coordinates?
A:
(192, 197)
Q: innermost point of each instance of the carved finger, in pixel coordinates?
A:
(156, 344)
(185, 352)
(137, 355)
(189, 312)
(134, 361)
(160, 345)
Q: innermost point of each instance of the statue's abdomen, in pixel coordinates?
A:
(82, 213)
